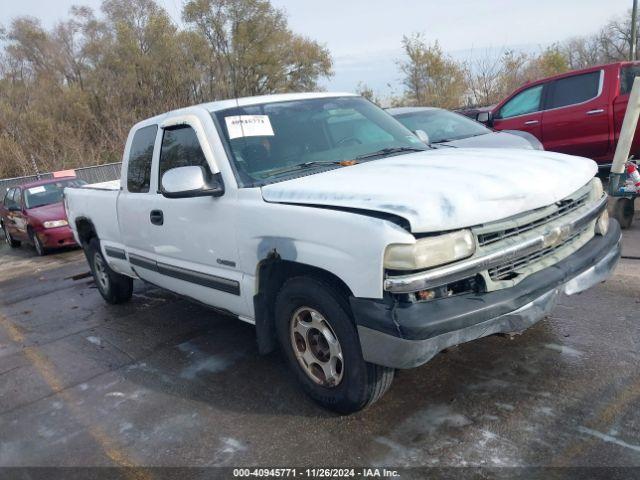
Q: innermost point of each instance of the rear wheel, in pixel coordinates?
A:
(114, 287)
(9, 239)
(320, 340)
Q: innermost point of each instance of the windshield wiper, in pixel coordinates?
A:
(389, 151)
(301, 166)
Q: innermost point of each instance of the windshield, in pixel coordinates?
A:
(441, 125)
(272, 140)
(48, 193)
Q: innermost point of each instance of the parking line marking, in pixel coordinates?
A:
(48, 373)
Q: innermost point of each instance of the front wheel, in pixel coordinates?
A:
(37, 244)
(114, 287)
(320, 340)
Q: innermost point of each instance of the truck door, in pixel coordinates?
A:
(522, 112)
(575, 119)
(194, 238)
(136, 201)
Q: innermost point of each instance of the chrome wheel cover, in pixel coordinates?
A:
(316, 347)
(100, 269)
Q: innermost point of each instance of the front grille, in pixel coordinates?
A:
(510, 270)
(564, 207)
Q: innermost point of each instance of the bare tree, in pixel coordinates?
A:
(430, 76)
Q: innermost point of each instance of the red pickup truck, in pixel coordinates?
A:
(578, 113)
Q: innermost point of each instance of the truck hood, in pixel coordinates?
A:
(444, 189)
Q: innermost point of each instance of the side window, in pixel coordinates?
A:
(17, 201)
(180, 148)
(527, 101)
(139, 169)
(8, 198)
(627, 76)
(573, 90)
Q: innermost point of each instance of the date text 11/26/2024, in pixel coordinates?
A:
(315, 473)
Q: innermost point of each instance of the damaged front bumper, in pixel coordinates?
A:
(407, 335)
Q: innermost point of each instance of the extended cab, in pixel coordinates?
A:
(578, 113)
(354, 246)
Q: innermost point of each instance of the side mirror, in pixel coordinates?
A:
(422, 135)
(187, 182)
(485, 117)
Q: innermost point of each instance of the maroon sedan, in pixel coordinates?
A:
(34, 213)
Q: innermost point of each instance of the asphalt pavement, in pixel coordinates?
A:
(161, 381)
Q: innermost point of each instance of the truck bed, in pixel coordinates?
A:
(97, 202)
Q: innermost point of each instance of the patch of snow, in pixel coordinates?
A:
(563, 349)
(505, 406)
(125, 426)
(548, 411)
(94, 340)
(114, 394)
(205, 362)
(231, 445)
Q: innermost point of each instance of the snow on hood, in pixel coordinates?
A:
(445, 189)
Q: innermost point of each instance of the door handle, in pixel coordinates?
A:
(595, 112)
(532, 122)
(156, 217)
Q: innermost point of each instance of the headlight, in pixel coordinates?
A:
(602, 225)
(598, 190)
(55, 223)
(430, 251)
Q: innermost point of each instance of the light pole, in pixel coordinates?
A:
(634, 31)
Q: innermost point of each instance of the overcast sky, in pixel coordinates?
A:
(364, 35)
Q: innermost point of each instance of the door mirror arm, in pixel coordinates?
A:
(189, 182)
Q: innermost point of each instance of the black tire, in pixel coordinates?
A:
(41, 251)
(361, 383)
(623, 210)
(9, 239)
(114, 287)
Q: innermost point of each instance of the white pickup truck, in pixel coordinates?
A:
(345, 239)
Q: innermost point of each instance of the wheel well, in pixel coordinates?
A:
(86, 230)
(271, 275)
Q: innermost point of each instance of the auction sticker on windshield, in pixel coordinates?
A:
(39, 189)
(249, 126)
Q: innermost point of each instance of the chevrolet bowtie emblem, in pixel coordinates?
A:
(557, 236)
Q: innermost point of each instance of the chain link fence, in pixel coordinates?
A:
(97, 174)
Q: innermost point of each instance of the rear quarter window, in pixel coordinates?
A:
(627, 76)
(140, 156)
(573, 90)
